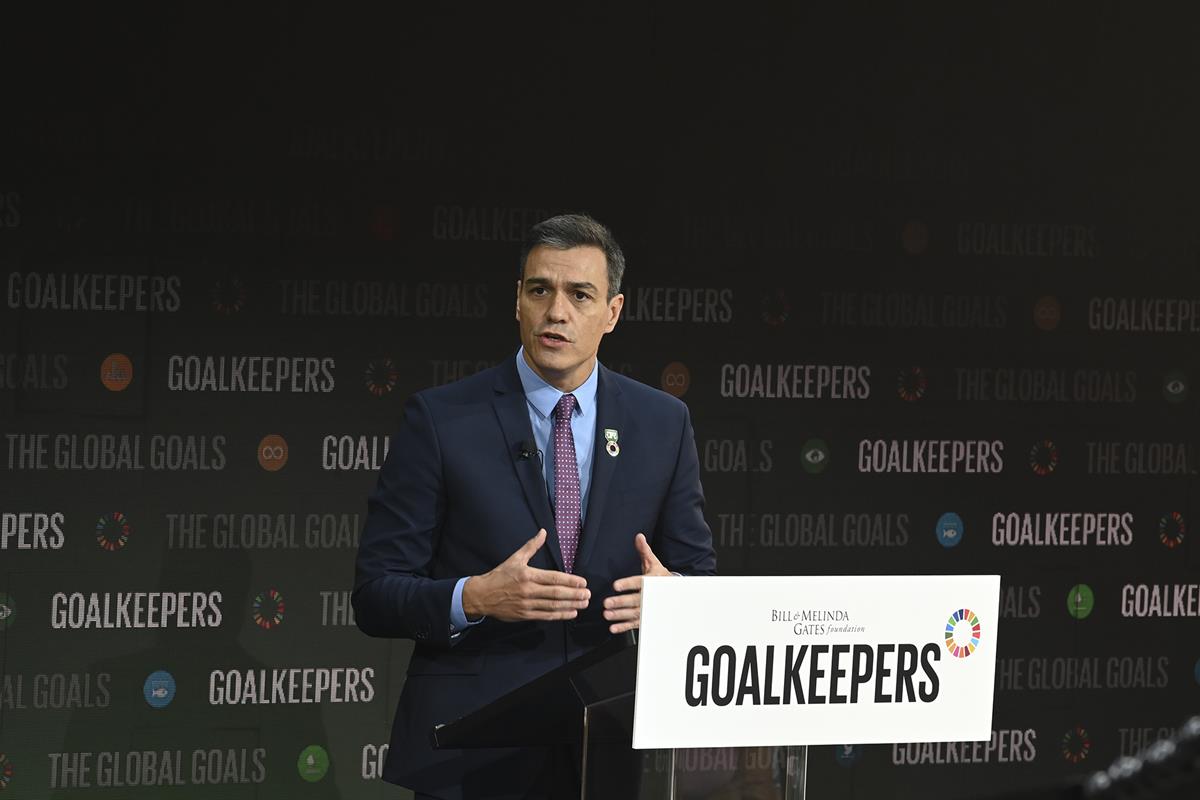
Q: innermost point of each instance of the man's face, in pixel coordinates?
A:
(563, 310)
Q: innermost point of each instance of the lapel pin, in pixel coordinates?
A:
(611, 445)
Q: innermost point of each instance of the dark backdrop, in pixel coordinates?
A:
(233, 243)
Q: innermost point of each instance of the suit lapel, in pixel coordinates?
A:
(513, 414)
(610, 413)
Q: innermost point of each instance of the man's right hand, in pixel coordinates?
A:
(516, 591)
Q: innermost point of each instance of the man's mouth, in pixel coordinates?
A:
(553, 338)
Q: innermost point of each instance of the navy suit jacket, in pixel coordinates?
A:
(455, 497)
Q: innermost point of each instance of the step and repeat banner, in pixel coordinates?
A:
(916, 335)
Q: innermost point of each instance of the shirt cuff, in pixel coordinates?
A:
(458, 616)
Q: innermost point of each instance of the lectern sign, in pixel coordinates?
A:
(750, 661)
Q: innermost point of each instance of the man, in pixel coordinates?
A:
(516, 514)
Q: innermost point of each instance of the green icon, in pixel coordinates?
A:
(8, 611)
(1080, 601)
(814, 456)
(313, 763)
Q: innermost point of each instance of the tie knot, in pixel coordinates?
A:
(564, 407)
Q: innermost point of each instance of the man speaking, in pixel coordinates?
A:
(516, 514)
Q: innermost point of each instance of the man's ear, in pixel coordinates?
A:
(518, 305)
(614, 312)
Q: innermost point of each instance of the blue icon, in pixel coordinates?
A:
(159, 689)
(847, 755)
(949, 529)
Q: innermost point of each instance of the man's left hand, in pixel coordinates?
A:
(624, 611)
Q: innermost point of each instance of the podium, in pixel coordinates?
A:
(588, 704)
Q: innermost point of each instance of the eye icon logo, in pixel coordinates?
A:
(1171, 529)
(676, 378)
(272, 452)
(1076, 744)
(267, 609)
(962, 633)
(949, 529)
(112, 531)
(1175, 388)
(814, 456)
(159, 689)
(8, 611)
(1043, 457)
(381, 376)
(116, 372)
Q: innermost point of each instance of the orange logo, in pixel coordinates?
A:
(272, 452)
(915, 237)
(116, 372)
(1047, 313)
(676, 379)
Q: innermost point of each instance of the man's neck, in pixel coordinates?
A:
(567, 382)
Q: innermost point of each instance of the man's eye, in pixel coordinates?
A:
(581, 295)
(538, 290)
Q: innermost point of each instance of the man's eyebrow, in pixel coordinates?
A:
(535, 281)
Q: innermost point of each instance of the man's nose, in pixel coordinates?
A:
(559, 308)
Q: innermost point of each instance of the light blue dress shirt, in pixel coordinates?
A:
(541, 398)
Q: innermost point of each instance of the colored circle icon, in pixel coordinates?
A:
(112, 531)
(775, 308)
(1047, 313)
(381, 376)
(1080, 601)
(8, 611)
(159, 689)
(272, 452)
(116, 372)
(962, 633)
(1076, 744)
(268, 609)
(676, 378)
(1175, 388)
(814, 456)
(1043, 457)
(313, 763)
(949, 529)
(1171, 529)
(847, 755)
(6, 771)
(911, 384)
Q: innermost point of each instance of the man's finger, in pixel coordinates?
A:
(555, 591)
(633, 600)
(649, 560)
(552, 577)
(621, 627)
(527, 550)
(619, 614)
(632, 583)
(547, 604)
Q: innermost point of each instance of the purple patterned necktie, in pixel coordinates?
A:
(567, 511)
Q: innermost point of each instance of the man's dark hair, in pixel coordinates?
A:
(577, 230)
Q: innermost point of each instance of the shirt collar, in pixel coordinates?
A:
(544, 397)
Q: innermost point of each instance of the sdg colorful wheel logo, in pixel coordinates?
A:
(268, 609)
(911, 384)
(1171, 530)
(159, 689)
(1076, 744)
(962, 633)
(1043, 457)
(112, 531)
(6, 772)
(381, 376)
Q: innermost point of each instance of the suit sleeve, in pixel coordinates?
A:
(683, 540)
(394, 594)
